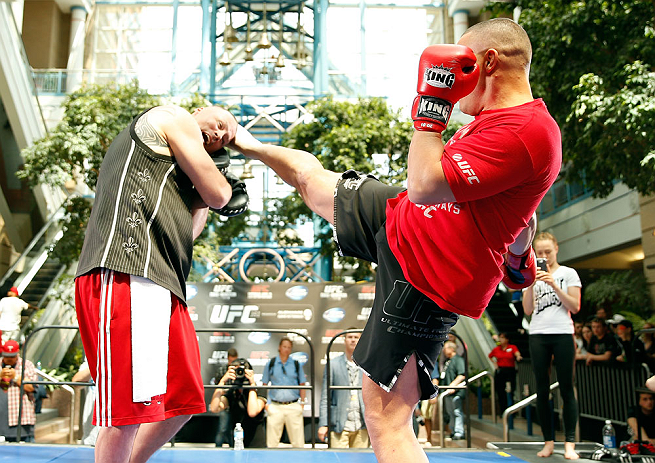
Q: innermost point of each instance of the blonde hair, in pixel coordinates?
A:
(545, 236)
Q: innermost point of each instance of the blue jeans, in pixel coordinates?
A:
(454, 406)
(224, 432)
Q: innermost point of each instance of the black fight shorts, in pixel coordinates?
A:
(403, 321)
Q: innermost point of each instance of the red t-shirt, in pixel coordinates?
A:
(504, 358)
(499, 167)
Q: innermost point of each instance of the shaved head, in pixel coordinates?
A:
(504, 35)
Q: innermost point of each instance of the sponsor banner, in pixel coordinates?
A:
(317, 310)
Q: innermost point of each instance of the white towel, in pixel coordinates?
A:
(151, 317)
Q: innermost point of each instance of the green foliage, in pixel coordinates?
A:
(630, 111)
(345, 135)
(622, 291)
(69, 246)
(593, 65)
(93, 116)
(220, 231)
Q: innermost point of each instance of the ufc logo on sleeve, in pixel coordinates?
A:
(466, 169)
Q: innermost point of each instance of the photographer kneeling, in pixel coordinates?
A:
(246, 406)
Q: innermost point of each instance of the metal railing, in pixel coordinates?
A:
(462, 385)
(71, 391)
(64, 384)
(311, 386)
(52, 220)
(519, 406)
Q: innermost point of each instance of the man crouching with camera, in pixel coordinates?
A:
(244, 403)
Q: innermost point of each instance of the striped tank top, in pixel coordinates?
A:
(141, 222)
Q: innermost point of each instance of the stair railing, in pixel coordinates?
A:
(66, 385)
(463, 385)
(53, 219)
(50, 380)
(520, 405)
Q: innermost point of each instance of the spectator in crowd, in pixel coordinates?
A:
(224, 434)
(577, 334)
(460, 350)
(641, 418)
(89, 431)
(12, 309)
(244, 405)
(551, 300)
(347, 427)
(284, 408)
(649, 345)
(603, 346)
(581, 352)
(633, 351)
(602, 313)
(426, 409)
(613, 322)
(10, 381)
(504, 356)
(453, 373)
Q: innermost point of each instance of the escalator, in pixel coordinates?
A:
(506, 314)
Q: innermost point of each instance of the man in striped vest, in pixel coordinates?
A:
(155, 185)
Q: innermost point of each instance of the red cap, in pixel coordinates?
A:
(10, 349)
(14, 290)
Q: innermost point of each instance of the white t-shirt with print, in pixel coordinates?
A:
(549, 315)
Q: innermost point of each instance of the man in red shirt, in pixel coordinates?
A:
(440, 244)
(505, 356)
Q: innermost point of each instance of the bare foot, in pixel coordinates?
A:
(547, 451)
(569, 451)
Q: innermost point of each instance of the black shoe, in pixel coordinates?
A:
(458, 437)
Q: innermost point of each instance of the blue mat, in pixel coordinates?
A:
(29, 453)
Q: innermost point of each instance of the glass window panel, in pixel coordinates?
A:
(561, 194)
(547, 203)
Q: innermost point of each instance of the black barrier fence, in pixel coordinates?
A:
(312, 380)
(606, 390)
(311, 386)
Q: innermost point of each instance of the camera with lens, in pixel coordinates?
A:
(241, 365)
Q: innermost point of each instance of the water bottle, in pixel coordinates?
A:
(609, 436)
(238, 437)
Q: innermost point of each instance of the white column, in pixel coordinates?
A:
(76, 48)
(460, 23)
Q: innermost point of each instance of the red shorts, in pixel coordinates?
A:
(103, 305)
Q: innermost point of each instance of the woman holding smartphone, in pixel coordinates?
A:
(551, 300)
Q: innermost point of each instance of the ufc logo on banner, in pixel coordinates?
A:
(229, 313)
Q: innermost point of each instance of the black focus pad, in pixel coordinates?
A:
(222, 159)
(238, 203)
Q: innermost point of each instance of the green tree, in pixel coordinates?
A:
(345, 135)
(593, 65)
(621, 291)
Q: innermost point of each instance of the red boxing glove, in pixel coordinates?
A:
(446, 74)
(519, 271)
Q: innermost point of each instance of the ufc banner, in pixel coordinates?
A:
(317, 310)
